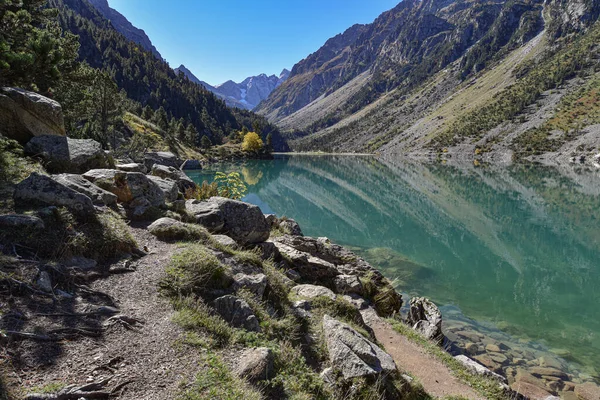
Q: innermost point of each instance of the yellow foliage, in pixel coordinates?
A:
(252, 142)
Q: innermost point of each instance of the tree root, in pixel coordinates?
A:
(89, 391)
(55, 335)
(128, 322)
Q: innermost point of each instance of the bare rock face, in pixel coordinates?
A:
(236, 312)
(426, 318)
(312, 291)
(352, 354)
(345, 284)
(63, 154)
(83, 186)
(41, 189)
(256, 284)
(256, 364)
(191, 165)
(25, 115)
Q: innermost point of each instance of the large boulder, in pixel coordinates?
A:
(306, 265)
(256, 284)
(243, 222)
(206, 213)
(127, 186)
(63, 154)
(168, 187)
(290, 227)
(26, 114)
(425, 317)
(132, 167)
(42, 189)
(236, 312)
(183, 181)
(162, 158)
(83, 186)
(352, 354)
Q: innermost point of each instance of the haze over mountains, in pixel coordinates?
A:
(246, 94)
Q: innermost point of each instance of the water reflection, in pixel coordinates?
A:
(514, 248)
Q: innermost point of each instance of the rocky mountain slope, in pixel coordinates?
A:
(123, 26)
(412, 82)
(246, 94)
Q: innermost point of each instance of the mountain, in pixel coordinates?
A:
(123, 26)
(149, 81)
(246, 94)
(449, 78)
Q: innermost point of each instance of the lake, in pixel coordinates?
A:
(509, 254)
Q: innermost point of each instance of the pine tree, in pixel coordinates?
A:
(148, 113)
(161, 119)
(191, 134)
(269, 142)
(181, 130)
(205, 142)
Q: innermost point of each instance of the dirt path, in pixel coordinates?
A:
(148, 359)
(436, 378)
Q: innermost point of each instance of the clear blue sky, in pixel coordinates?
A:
(233, 39)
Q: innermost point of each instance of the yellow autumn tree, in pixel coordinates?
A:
(252, 142)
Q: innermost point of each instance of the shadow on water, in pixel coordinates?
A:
(514, 249)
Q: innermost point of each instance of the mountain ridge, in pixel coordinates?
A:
(246, 94)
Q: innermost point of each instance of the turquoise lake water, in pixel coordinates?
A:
(513, 253)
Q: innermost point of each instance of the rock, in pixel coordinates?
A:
(472, 336)
(254, 283)
(312, 291)
(471, 348)
(492, 348)
(524, 376)
(132, 167)
(236, 312)
(545, 371)
(356, 301)
(268, 250)
(308, 266)
(290, 227)
(183, 182)
(243, 222)
(225, 240)
(301, 308)
(20, 221)
(25, 115)
(293, 275)
(588, 391)
(81, 263)
(425, 317)
(41, 189)
(271, 219)
(347, 284)
(83, 186)
(207, 214)
(169, 188)
(352, 354)
(486, 360)
(328, 376)
(568, 395)
(62, 154)
(168, 229)
(477, 368)
(191, 165)
(162, 158)
(551, 362)
(256, 364)
(128, 186)
(498, 358)
(532, 392)
(44, 282)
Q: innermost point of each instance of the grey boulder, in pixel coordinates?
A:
(168, 187)
(236, 312)
(63, 154)
(225, 240)
(352, 354)
(425, 317)
(83, 186)
(162, 158)
(290, 227)
(127, 186)
(243, 222)
(132, 167)
(206, 213)
(26, 114)
(254, 283)
(345, 284)
(183, 181)
(41, 189)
